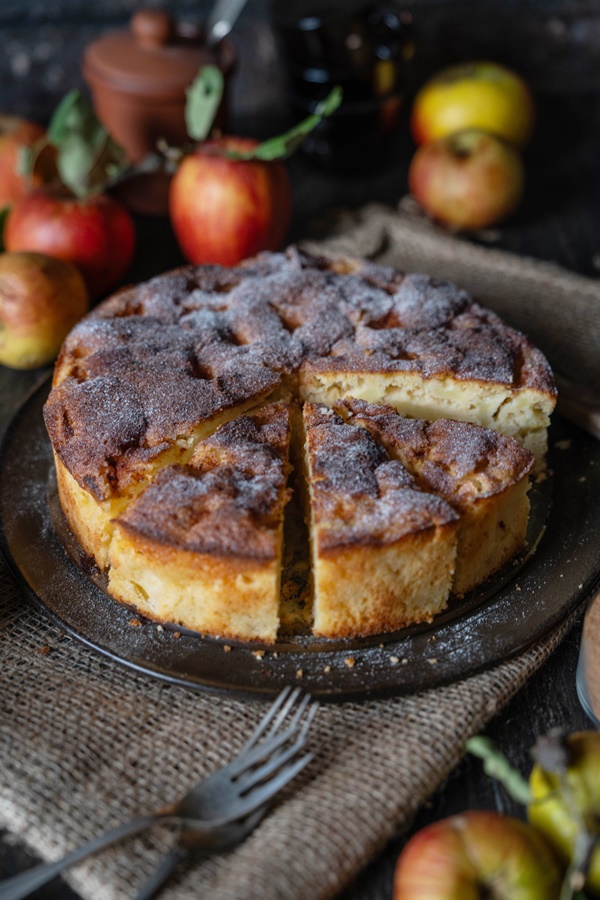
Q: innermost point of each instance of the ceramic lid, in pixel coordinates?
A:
(154, 56)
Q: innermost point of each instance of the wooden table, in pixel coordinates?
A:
(560, 221)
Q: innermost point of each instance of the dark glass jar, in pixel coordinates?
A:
(363, 46)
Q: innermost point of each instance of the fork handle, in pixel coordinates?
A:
(26, 882)
(162, 873)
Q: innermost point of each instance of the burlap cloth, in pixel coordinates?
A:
(86, 743)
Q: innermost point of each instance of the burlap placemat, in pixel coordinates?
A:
(85, 743)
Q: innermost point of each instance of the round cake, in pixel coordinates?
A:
(180, 388)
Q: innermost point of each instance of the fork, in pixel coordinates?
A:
(267, 763)
(189, 842)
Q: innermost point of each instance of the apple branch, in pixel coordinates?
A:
(496, 765)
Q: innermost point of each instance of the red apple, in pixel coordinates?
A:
(40, 300)
(224, 210)
(15, 133)
(477, 855)
(480, 96)
(96, 234)
(468, 180)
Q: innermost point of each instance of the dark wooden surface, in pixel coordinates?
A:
(559, 220)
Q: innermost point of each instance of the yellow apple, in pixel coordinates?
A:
(41, 298)
(480, 95)
(565, 804)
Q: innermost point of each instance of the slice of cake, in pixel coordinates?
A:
(383, 551)
(483, 475)
(202, 547)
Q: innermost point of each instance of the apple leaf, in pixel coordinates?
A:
(203, 98)
(285, 144)
(88, 158)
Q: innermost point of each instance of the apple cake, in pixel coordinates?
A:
(150, 376)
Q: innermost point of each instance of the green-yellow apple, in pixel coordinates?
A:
(224, 210)
(477, 856)
(96, 234)
(565, 804)
(480, 95)
(467, 180)
(40, 300)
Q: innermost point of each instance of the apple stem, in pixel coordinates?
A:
(496, 765)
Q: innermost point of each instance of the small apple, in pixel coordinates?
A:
(481, 95)
(467, 180)
(224, 210)
(566, 804)
(40, 300)
(16, 133)
(95, 233)
(475, 855)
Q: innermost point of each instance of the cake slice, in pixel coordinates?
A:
(202, 546)
(482, 474)
(383, 551)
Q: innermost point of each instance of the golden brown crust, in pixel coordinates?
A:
(358, 494)
(229, 500)
(460, 461)
(149, 365)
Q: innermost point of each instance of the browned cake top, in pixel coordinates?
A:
(229, 500)
(359, 494)
(459, 460)
(149, 364)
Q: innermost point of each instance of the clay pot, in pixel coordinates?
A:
(138, 79)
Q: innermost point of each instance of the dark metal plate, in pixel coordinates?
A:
(503, 617)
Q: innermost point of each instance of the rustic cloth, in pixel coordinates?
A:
(86, 743)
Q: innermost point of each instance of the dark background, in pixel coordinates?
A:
(555, 44)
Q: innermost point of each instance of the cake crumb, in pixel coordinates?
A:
(176, 635)
(327, 669)
(582, 479)
(564, 445)
(405, 661)
(226, 648)
(580, 587)
(394, 660)
(350, 662)
(160, 628)
(432, 661)
(258, 653)
(299, 673)
(275, 654)
(135, 623)
(517, 587)
(381, 646)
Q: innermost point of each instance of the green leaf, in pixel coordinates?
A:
(284, 145)
(70, 114)
(88, 158)
(203, 98)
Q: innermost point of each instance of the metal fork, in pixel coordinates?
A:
(238, 791)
